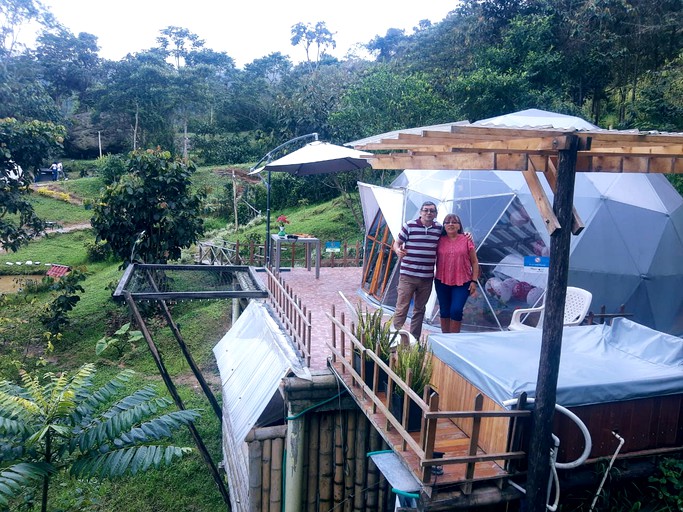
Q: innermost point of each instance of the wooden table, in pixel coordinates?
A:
(310, 243)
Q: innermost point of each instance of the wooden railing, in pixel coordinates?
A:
(230, 253)
(604, 317)
(294, 316)
(344, 343)
(250, 253)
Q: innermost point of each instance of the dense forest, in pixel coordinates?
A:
(618, 63)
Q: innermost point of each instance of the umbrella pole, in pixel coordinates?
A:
(267, 244)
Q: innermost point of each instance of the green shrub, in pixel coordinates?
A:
(111, 168)
(97, 251)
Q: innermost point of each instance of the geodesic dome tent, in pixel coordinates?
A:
(629, 253)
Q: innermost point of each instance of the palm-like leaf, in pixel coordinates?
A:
(129, 460)
(14, 478)
(125, 438)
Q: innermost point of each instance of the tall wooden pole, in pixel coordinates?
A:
(551, 347)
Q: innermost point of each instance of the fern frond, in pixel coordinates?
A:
(34, 389)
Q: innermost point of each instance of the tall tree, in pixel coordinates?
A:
(69, 64)
(179, 42)
(315, 36)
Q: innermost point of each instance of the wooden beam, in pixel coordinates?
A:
(541, 199)
(551, 176)
(451, 161)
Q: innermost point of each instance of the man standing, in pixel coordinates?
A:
(416, 249)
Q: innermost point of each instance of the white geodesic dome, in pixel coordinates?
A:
(630, 253)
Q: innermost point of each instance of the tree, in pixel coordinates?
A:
(309, 35)
(64, 423)
(14, 15)
(150, 212)
(69, 64)
(22, 145)
(139, 88)
(175, 41)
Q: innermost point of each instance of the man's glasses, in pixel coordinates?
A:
(428, 210)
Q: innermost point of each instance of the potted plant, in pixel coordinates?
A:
(418, 359)
(281, 221)
(376, 335)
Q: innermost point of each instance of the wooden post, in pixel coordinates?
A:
(551, 346)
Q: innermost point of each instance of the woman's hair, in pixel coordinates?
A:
(451, 216)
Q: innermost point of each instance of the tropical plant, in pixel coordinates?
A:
(418, 359)
(121, 339)
(373, 332)
(64, 424)
(56, 314)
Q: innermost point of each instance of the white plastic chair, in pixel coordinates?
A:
(575, 310)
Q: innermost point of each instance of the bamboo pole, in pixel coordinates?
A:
(276, 475)
(255, 477)
(294, 471)
(267, 449)
(313, 450)
(359, 481)
(326, 461)
(349, 474)
(338, 493)
(373, 473)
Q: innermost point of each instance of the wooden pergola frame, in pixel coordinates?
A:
(557, 155)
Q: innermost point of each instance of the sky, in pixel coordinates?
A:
(244, 29)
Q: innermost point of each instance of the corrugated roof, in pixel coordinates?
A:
(58, 270)
(252, 359)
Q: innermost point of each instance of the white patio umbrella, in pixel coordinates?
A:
(319, 157)
(316, 157)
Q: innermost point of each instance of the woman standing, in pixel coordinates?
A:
(457, 271)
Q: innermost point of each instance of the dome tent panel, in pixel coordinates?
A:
(668, 258)
(601, 261)
(642, 231)
(634, 190)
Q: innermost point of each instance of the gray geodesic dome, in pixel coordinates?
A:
(630, 253)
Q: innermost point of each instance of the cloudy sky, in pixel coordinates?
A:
(245, 29)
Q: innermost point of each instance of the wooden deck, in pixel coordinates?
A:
(449, 439)
(463, 469)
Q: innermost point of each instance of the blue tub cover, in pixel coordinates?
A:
(599, 363)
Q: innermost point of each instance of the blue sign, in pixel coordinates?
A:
(536, 263)
(332, 246)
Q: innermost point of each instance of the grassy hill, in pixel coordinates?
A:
(186, 485)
